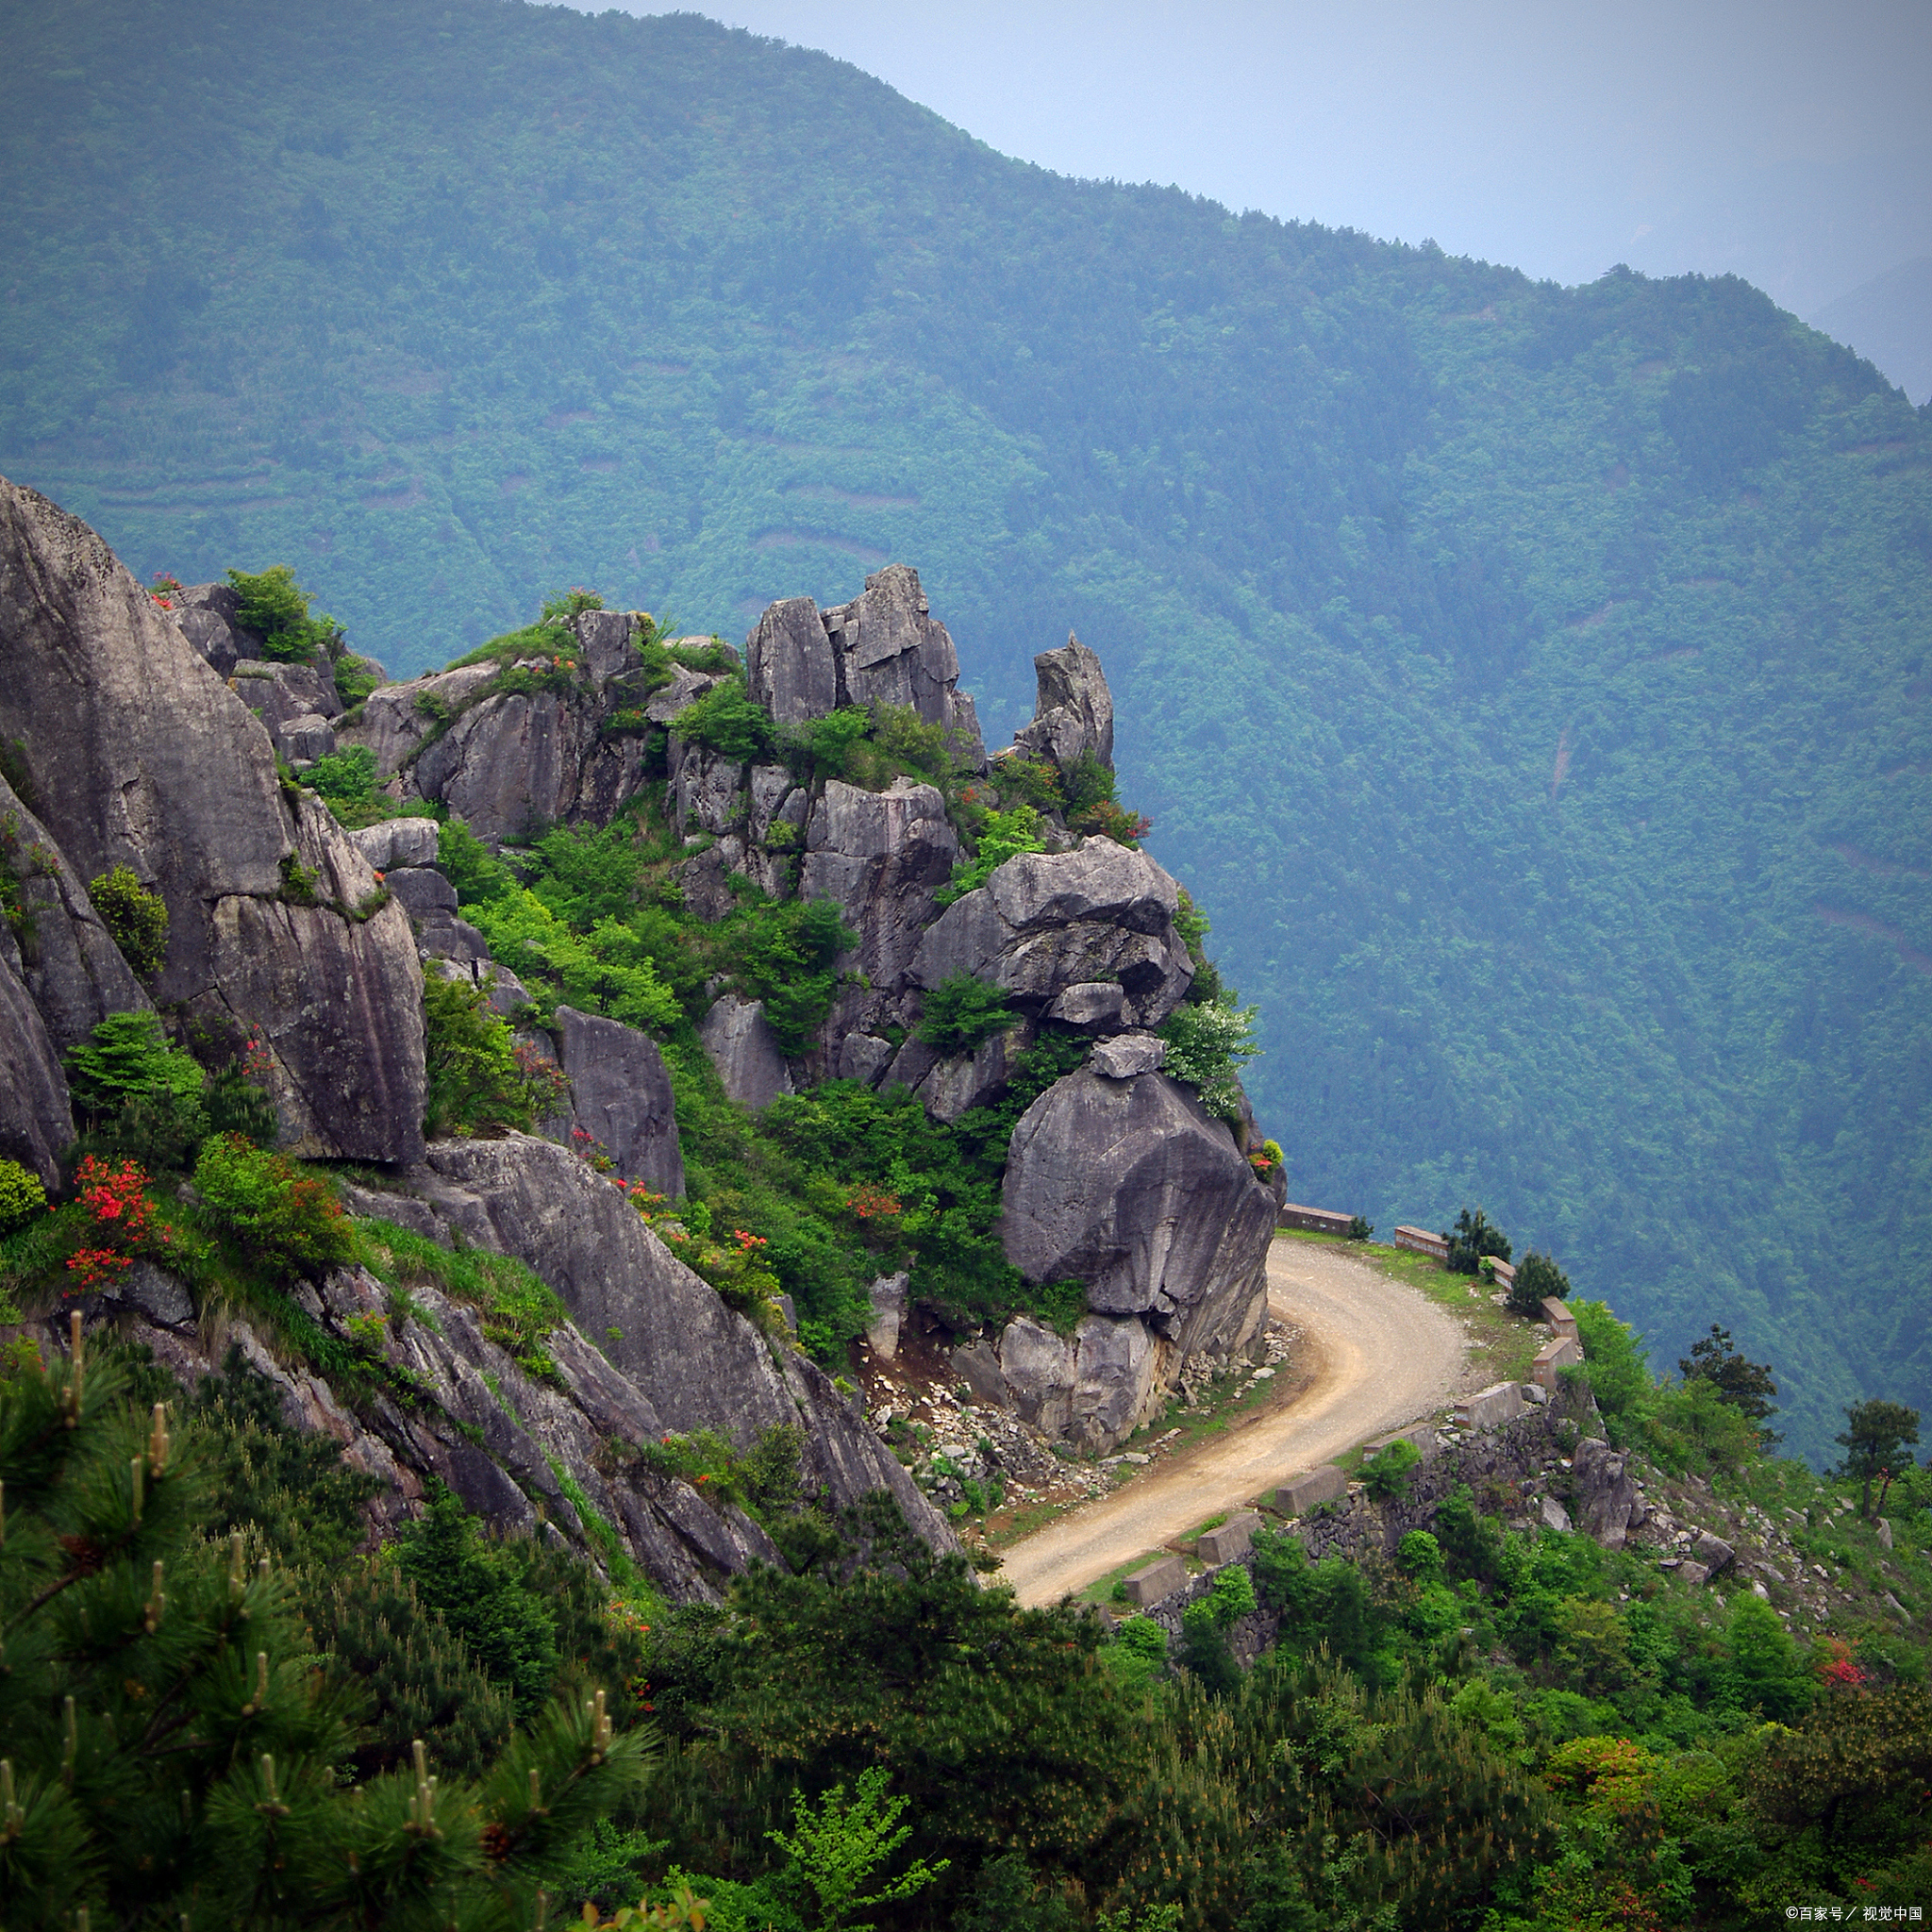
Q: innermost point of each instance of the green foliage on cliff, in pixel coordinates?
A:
(1529, 681)
(1517, 1730)
(274, 606)
(176, 1743)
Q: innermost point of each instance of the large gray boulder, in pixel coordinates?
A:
(1073, 710)
(284, 697)
(1046, 923)
(1091, 1389)
(891, 649)
(685, 689)
(1131, 1187)
(884, 646)
(789, 664)
(881, 856)
(138, 754)
(745, 1051)
(210, 616)
(36, 1120)
(522, 759)
(394, 721)
(1603, 1495)
(707, 788)
(620, 1095)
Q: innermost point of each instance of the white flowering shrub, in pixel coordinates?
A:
(1208, 1046)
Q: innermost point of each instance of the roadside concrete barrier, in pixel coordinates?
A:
(1308, 1489)
(1501, 1401)
(1233, 1539)
(1160, 1579)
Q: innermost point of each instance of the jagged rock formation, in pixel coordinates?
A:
(137, 753)
(620, 1096)
(803, 662)
(1073, 710)
(149, 738)
(1157, 1210)
(522, 1451)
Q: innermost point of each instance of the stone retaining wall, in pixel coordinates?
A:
(1526, 1454)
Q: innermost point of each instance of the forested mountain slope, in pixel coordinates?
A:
(1532, 682)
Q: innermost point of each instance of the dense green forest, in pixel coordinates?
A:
(1530, 682)
(221, 1708)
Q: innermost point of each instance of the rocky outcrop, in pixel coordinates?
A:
(881, 856)
(1092, 1388)
(1072, 712)
(394, 721)
(67, 959)
(35, 1121)
(745, 1052)
(209, 617)
(620, 1096)
(520, 761)
(1128, 1186)
(661, 1326)
(884, 646)
(140, 755)
(1047, 923)
(295, 702)
(510, 748)
(1603, 1500)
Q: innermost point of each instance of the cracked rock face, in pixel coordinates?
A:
(1048, 922)
(885, 646)
(140, 755)
(660, 1326)
(1131, 1187)
(527, 758)
(1072, 712)
(879, 856)
(620, 1094)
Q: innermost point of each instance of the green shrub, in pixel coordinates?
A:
(1387, 1473)
(469, 866)
(346, 779)
(1419, 1554)
(608, 970)
(1537, 1276)
(1232, 1595)
(785, 955)
(135, 1094)
(231, 1103)
(135, 919)
(1138, 1653)
(1208, 1046)
(21, 1196)
(726, 720)
(963, 1013)
(287, 1220)
(1615, 1367)
(1205, 1653)
(1003, 835)
(1359, 1228)
(476, 1076)
(1471, 1239)
(275, 609)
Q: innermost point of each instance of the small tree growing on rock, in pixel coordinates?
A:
(1472, 1236)
(1537, 1278)
(135, 919)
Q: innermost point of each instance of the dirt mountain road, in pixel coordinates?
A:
(1385, 1356)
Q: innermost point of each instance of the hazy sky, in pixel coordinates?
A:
(1788, 142)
